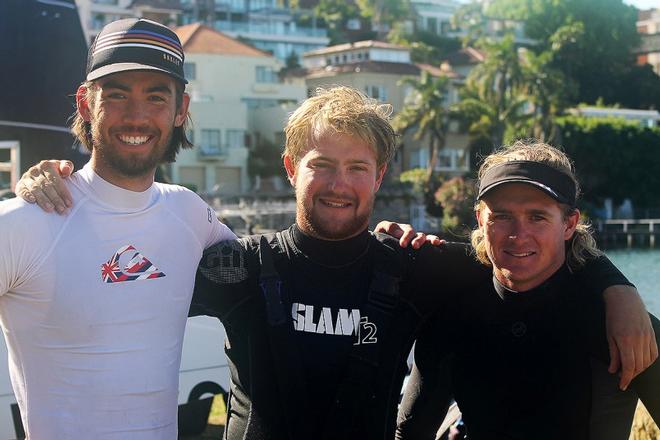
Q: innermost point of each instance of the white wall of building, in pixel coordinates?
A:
(224, 92)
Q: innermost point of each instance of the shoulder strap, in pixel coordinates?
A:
(270, 282)
(356, 393)
(287, 363)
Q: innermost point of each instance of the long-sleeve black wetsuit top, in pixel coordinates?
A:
(324, 291)
(519, 364)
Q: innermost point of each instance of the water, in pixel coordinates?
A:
(642, 267)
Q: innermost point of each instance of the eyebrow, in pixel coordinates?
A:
(158, 88)
(529, 211)
(350, 162)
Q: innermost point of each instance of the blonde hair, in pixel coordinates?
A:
(582, 245)
(343, 110)
(82, 130)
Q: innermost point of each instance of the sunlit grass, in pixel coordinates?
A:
(643, 426)
(218, 415)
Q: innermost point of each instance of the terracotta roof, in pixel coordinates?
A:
(363, 67)
(465, 56)
(444, 70)
(197, 38)
(356, 45)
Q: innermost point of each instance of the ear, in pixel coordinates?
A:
(290, 170)
(182, 111)
(480, 216)
(82, 104)
(571, 223)
(379, 177)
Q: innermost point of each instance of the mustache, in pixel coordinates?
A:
(336, 196)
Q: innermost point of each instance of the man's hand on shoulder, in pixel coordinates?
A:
(44, 184)
(407, 235)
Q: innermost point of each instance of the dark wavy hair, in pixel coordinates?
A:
(82, 130)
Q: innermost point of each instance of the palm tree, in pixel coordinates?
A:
(494, 97)
(546, 89)
(426, 111)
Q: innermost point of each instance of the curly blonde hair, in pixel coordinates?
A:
(343, 110)
(582, 245)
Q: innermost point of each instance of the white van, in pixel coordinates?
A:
(203, 369)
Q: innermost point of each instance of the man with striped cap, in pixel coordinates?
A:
(93, 305)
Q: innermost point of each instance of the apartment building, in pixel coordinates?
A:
(94, 14)
(648, 25)
(269, 25)
(228, 80)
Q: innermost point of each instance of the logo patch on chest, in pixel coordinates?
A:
(346, 323)
(137, 268)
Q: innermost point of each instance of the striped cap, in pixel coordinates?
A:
(135, 44)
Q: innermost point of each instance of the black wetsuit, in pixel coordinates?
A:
(519, 365)
(324, 292)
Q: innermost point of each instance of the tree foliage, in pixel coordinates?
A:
(426, 112)
(493, 98)
(425, 47)
(592, 43)
(265, 159)
(614, 158)
(456, 197)
(383, 14)
(425, 187)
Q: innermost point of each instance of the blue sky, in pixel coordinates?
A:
(644, 4)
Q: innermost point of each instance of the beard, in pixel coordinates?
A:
(326, 228)
(130, 165)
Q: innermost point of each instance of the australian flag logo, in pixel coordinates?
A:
(137, 268)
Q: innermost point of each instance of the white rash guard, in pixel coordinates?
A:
(93, 307)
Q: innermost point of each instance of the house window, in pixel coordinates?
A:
(445, 27)
(353, 24)
(235, 138)
(419, 158)
(189, 71)
(98, 21)
(266, 75)
(452, 159)
(432, 25)
(210, 142)
(376, 92)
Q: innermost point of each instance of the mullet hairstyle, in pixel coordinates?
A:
(82, 130)
(342, 110)
(582, 245)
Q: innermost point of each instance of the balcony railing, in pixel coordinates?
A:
(275, 28)
(212, 152)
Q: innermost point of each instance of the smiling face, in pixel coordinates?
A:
(525, 231)
(336, 183)
(132, 116)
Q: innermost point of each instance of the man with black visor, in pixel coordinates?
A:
(524, 354)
